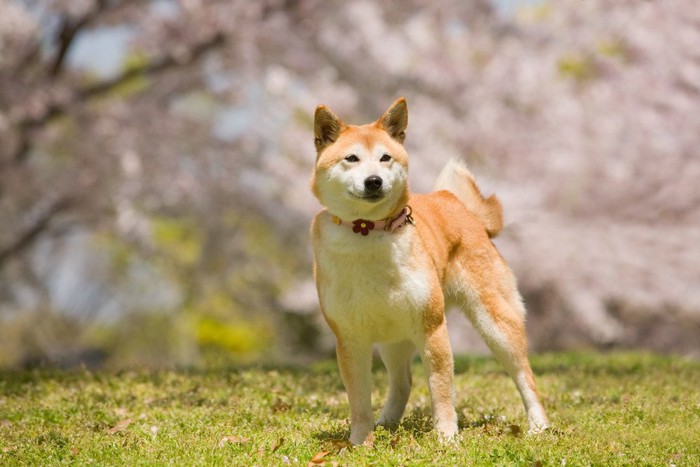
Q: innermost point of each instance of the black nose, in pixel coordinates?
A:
(373, 183)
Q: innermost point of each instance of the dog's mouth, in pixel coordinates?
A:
(371, 198)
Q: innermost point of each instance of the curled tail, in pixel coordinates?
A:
(456, 178)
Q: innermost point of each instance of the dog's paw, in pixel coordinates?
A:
(388, 423)
(536, 429)
(537, 420)
(447, 431)
(362, 437)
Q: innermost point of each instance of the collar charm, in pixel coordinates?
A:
(362, 226)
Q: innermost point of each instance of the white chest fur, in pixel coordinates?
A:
(372, 287)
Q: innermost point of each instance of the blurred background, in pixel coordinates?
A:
(155, 157)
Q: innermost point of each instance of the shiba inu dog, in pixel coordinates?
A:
(388, 262)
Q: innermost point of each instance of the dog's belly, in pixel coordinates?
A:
(378, 294)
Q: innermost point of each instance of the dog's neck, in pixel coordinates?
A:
(390, 224)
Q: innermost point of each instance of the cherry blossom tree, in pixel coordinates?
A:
(193, 159)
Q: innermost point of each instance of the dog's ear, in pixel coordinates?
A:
(395, 120)
(327, 128)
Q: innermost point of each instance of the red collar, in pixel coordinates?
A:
(390, 224)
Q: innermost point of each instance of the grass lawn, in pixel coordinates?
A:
(607, 409)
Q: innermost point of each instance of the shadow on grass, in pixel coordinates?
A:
(336, 435)
(417, 423)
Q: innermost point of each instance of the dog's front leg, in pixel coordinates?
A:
(437, 358)
(355, 362)
(397, 359)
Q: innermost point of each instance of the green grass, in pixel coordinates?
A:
(613, 409)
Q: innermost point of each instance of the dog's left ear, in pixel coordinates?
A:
(395, 120)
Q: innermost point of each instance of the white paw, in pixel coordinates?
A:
(537, 420)
(361, 435)
(447, 431)
(537, 428)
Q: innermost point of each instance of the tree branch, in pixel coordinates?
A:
(70, 29)
(60, 108)
(39, 221)
(157, 66)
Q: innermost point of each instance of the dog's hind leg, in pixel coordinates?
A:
(397, 359)
(437, 359)
(501, 323)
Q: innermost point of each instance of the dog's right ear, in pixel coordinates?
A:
(327, 128)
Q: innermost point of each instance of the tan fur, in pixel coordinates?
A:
(392, 289)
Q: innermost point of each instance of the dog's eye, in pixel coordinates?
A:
(352, 158)
(385, 158)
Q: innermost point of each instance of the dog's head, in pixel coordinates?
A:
(361, 172)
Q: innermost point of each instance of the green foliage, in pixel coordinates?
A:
(227, 288)
(270, 256)
(147, 339)
(613, 48)
(614, 409)
(120, 253)
(582, 66)
(178, 238)
(579, 67)
(139, 82)
(237, 337)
